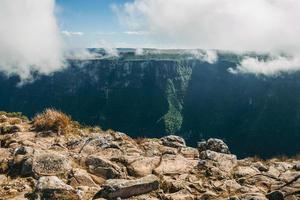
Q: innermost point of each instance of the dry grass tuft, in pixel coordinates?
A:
(55, 121)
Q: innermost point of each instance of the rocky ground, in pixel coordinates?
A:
(92, 164)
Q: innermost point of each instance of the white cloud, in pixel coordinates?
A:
(209, 56)
(29, 37)
(256, 25)
(271, 67)
(70, 33)
(136, 32)
(108, 47)
(139, 52)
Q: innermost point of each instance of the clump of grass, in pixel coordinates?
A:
(14, 114)
(53, 120)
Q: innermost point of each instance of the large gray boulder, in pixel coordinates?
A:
(213, 144)
(102, 167)
(143, 166)
(275, 195)
(173, 141)
(51, 187)
(175, 164)
(50, 163)
(122, 188)
(224, 162)
(80, 177)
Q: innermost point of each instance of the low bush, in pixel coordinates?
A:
(55, 121)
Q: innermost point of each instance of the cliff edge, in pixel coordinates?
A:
(53, 157)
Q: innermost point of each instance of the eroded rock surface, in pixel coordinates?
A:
(93, 164)
(123, 188)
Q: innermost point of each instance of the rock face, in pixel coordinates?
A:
(122, 188)
(92, 164)
(159, 94)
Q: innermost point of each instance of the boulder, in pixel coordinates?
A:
(275, 195)
(189, 152)
(143, 166)
(79, 177)
(50, 163)
(208, 195)
(245, 171)
(297, 167)
(173, 141)
(180, 195)
(252, 196)
(3, 179)
(261, 167)
(224, 162)
(102, 167)
(213, 144)
(290, 176)
(122, 188)
(4, 159)
(86, 192)
(3, 118)
(92, 144)
(172, 184)
(175, 164)
(51, 187)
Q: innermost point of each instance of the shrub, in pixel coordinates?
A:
(53, 120)
(14, 114)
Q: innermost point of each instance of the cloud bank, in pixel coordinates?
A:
(274, 66)
(29, 38)
(256, 25)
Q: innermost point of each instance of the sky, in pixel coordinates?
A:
(95, 23)
(36, 35)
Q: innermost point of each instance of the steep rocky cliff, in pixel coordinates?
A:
(55, 158)
(170, 93)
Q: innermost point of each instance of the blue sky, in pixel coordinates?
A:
(97, 23)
